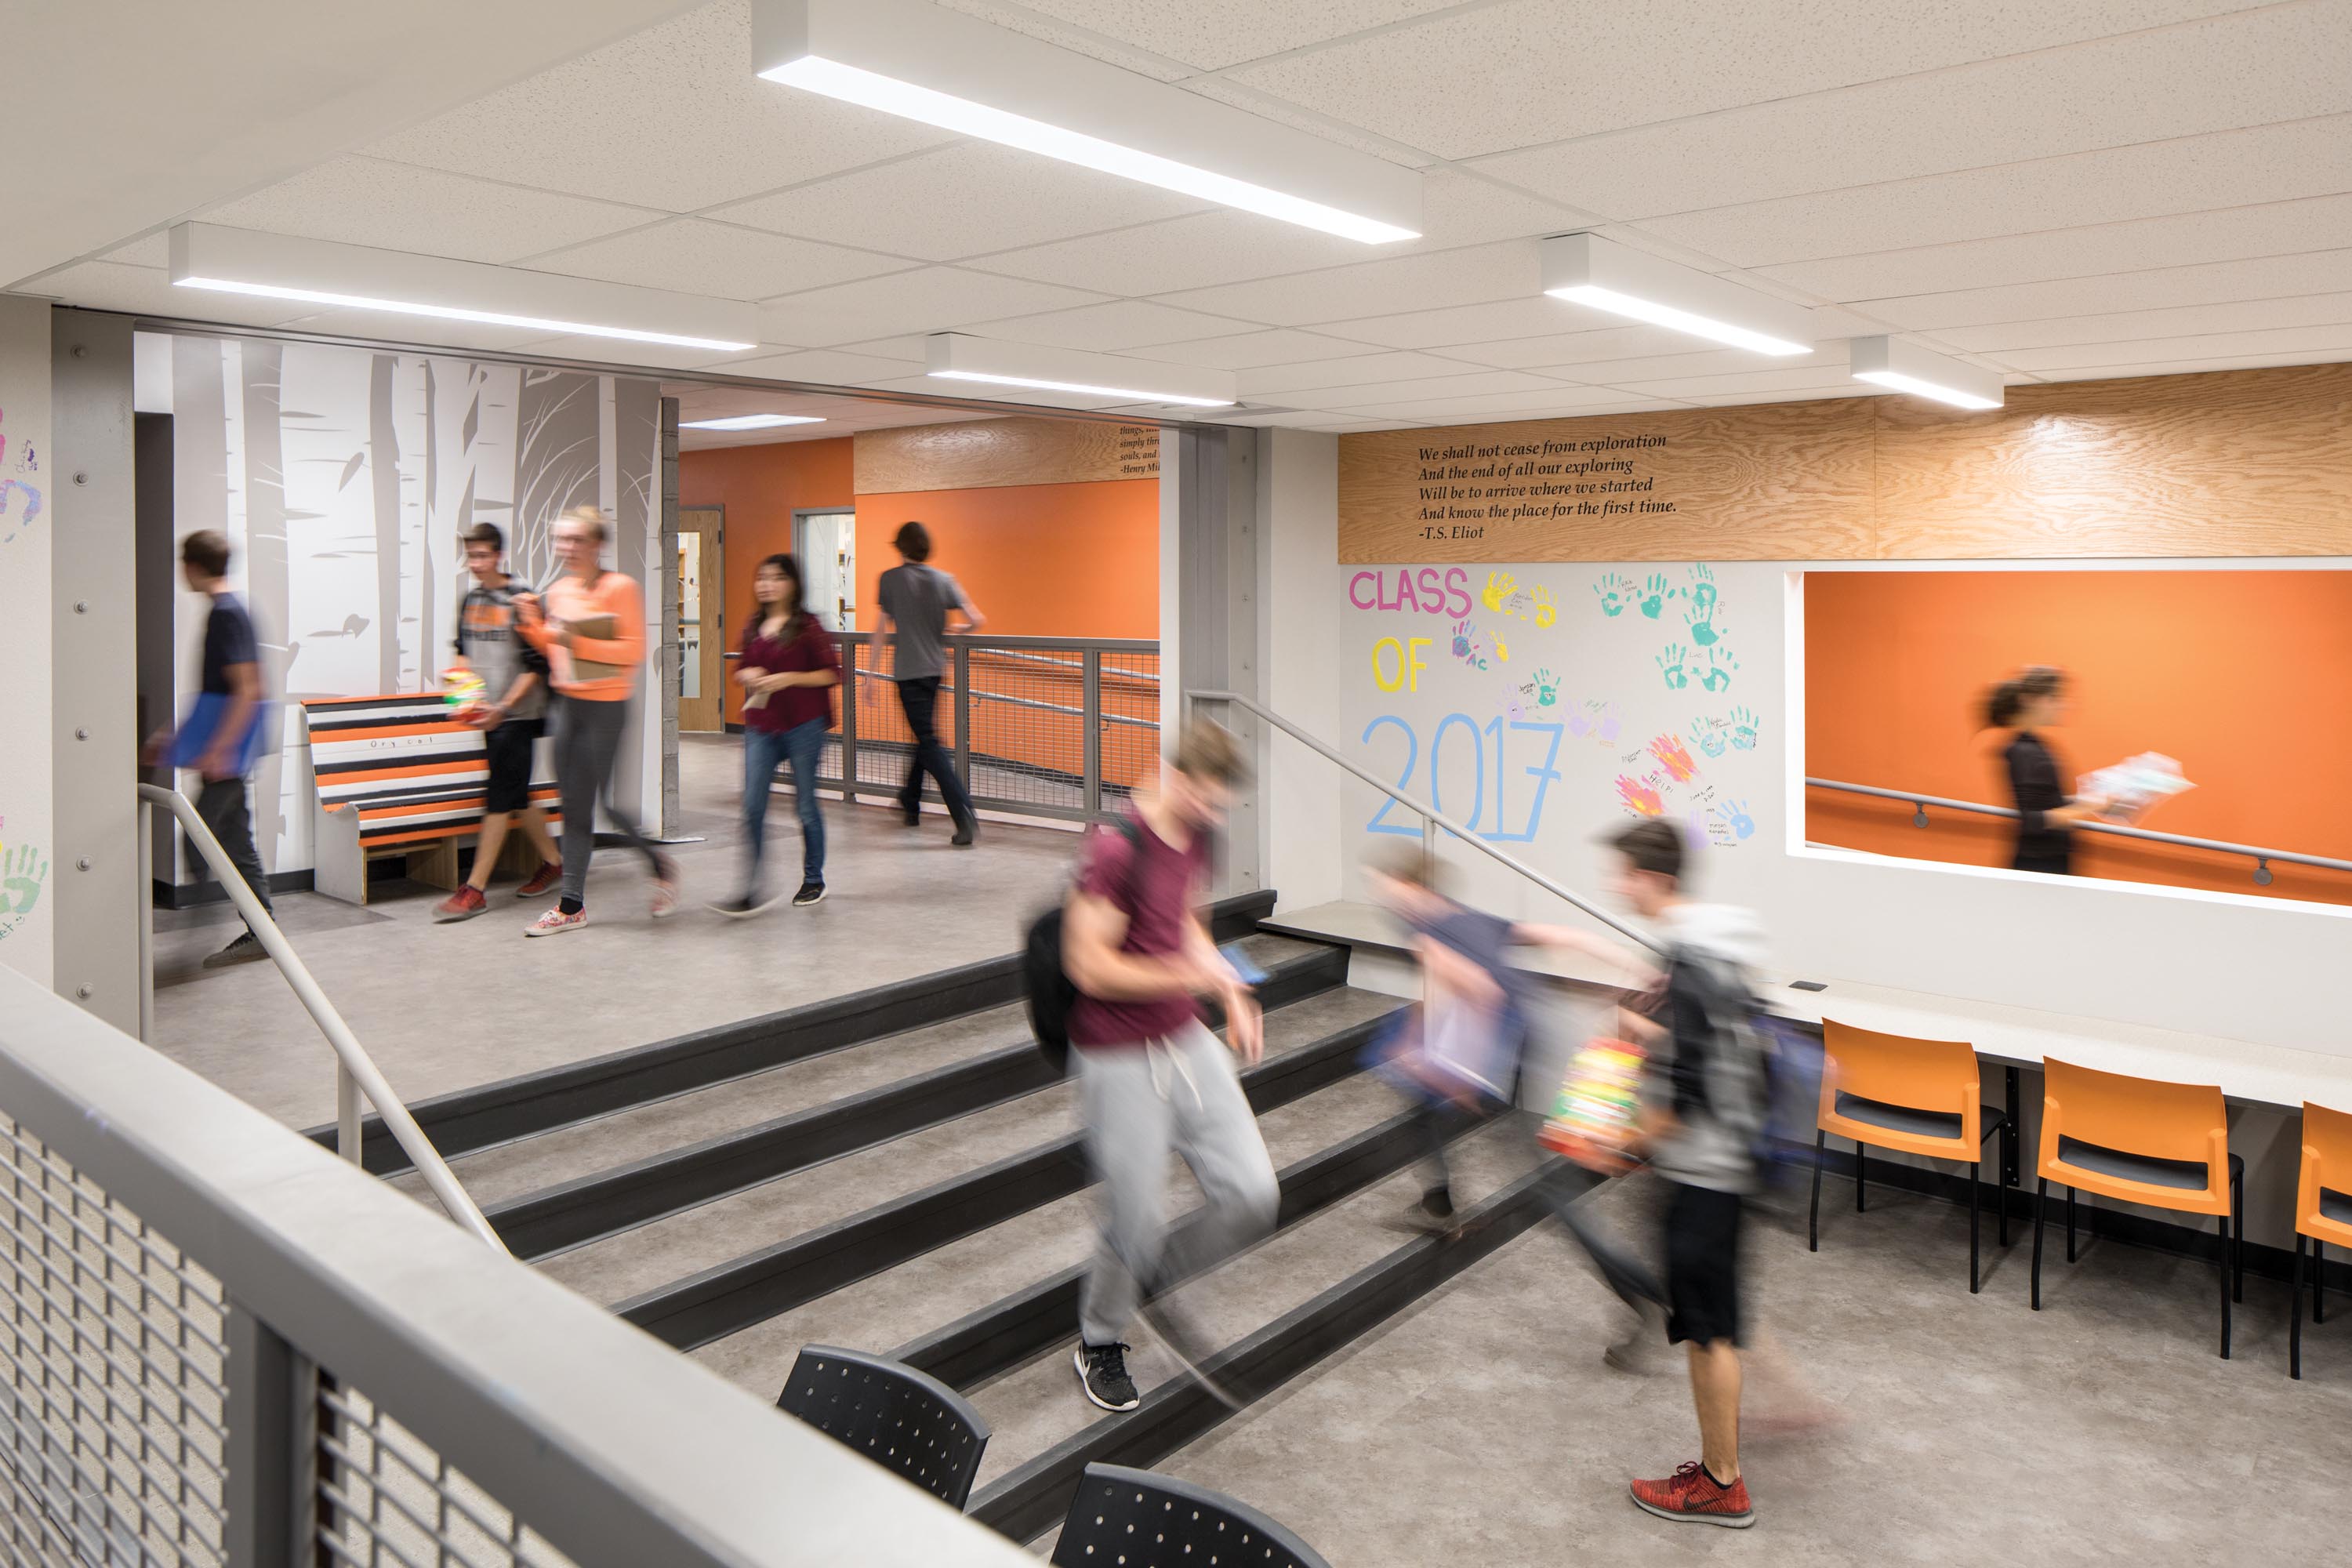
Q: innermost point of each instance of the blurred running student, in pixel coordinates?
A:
(2046, 815)
(788, 671)
(221, 739)
(1151, 1078)
(917, 599)
(490, 645)
(592, 629)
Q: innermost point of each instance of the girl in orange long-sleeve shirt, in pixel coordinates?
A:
(592, 626)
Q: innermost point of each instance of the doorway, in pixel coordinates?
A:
(828, 552)
(702, 618)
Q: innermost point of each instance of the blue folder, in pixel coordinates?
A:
(194, 736)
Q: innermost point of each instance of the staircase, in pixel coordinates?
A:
(900, 1172)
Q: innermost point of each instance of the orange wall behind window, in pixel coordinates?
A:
(760, 487)
(2244, 677)
(1045, 560)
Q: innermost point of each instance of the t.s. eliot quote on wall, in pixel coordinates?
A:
(1469, 484)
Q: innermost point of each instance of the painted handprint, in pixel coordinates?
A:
(1711, 736)
(1719, 666)
(1675, 757)
(1513, 709)
(1615, 594)
(1607, 723)
(1701, 624)
(1654, 593)
(1670, 664)
(1502, 649)
(1498, 588)
(1743, 727)
(1639, 798)
(1547, 689)
(1545, 612)
(1461, 639)
(1700, 589)
(1580, 722)
(1733, 814)
(22, 873)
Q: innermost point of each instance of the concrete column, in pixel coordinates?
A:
(29, 850)
(1209, 555)
(1302, 663)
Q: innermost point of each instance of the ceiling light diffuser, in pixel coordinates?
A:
(953, 356)
(1589, 271)
(750, 422)
(1906, 367)
(916, 59)
(320, 272)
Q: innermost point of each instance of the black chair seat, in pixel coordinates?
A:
(2186, 1174)
(1912, 1121)
(1146, 1520)
(905, 1420)
(2335, 1205)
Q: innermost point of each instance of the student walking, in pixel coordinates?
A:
(917, 599)
(221, 741)
(789, 668)
(2046, 814)
(490, 645)
(1151, 1078)
(592, 629)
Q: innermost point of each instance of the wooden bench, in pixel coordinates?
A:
(398, 775)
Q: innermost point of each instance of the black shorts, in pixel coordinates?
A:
(509, 748)
(1702, 1265)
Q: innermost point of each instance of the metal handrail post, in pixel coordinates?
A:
(963, 715)
(355, 1070)
(146, 922)
(851, 692)
(1090, 780)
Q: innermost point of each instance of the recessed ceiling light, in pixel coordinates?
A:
(750, 422)
(1906, 367)
(953, 356)
(318, 273)
(918, 61)
(1589, 271)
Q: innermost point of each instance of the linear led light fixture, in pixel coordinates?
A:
(914, 58)
(955, 356)
(750, 422)
(1906, 367)
(320, 272)
(1610, 277)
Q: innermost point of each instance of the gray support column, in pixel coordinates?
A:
(93, 666)
(666, 669)
(271, 1447)
(1216, 619)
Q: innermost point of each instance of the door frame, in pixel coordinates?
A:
(712, 624)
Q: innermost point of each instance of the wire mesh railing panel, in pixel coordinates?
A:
(113, 1425)
(1026, 728)
(1131, 722)
(386, 1499)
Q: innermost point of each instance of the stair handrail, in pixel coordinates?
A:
(356, 1073)
(1430, 814)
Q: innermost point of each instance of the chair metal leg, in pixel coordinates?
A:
(2041, 1203)
(1975, 1231)
(1813, 1225)
(2225, 1288)
(2070, 1225)
(2237, 1259)
(2318, 1282)
(2295, 1333)
(2001, 1193)
(1857, 1177)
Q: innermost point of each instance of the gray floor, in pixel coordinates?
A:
(447, 1007)
(1482, 1428)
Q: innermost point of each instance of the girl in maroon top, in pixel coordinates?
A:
(788, 671)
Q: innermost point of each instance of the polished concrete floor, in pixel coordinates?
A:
(1483, 1427)
(444, 1007)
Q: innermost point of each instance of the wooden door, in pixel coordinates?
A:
(702, 618)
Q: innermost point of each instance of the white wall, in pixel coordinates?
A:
(27, 826)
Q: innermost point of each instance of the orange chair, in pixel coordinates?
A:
(2141, 1140)
(2321, 1212)
(1890, 1092)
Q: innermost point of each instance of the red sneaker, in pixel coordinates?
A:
(1690, 1493)
(462, 905)
(550, 872)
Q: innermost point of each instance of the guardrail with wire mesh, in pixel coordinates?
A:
(225, 1346)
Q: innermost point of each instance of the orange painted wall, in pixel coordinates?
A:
(760, 487)
(1063, 561)
(2244, 677)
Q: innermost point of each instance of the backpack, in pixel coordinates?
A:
(1051, 992)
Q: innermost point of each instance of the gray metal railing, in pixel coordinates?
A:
(1920, 803)
(225, 1346)
(356, 1073)
(1432, 818)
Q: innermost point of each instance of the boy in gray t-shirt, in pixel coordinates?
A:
(917, 599)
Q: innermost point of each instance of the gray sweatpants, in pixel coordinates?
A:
(587, 741)
(1179, 1093)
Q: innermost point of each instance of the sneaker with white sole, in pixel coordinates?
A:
(1102, 1373)
(555, 922)
(810, 893)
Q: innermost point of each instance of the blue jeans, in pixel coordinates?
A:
(765, 751)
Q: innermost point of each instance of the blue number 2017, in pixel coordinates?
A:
(1544, 774)
(1412, 755)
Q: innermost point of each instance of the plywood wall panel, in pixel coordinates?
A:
(980, 454)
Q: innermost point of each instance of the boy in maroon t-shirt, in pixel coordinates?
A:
(1151, 1078)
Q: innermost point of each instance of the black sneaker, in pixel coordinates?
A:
(1102, 1373)
(810, 893)
(1191, 1348)
(966, 831)
(243, 950)
(911, 811)
(1432, 1215)
(743, 908)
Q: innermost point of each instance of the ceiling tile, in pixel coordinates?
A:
(399, 206)
(393, 327)
(1505, 270)
(1653, 62)
(2219, 74)
(1536, 316)
(2132, 326)
(2333, 341)
(2273, 162)
(696, 257)
(2215, 282)
(1793, 395)
(1792, 380)
(1214, 33)
(154, 251)
(1421, 388)
(1251, 350)
(930, 299)
(1216, 247)
(1015, 398)
(149, 291)
(1111, 328)
(620, 351)
(969, 199)
(2185, 367)
(1037, 23)
(829, 367)
(1360, 369)
(1552, 348)
(670, 118)
(1563, 400)
(2275, 229)
(1830, 356)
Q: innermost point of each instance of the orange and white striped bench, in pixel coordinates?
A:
(397, 775)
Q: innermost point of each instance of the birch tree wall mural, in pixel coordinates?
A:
(343, 476)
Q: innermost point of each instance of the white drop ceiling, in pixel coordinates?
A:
(2055, 192)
